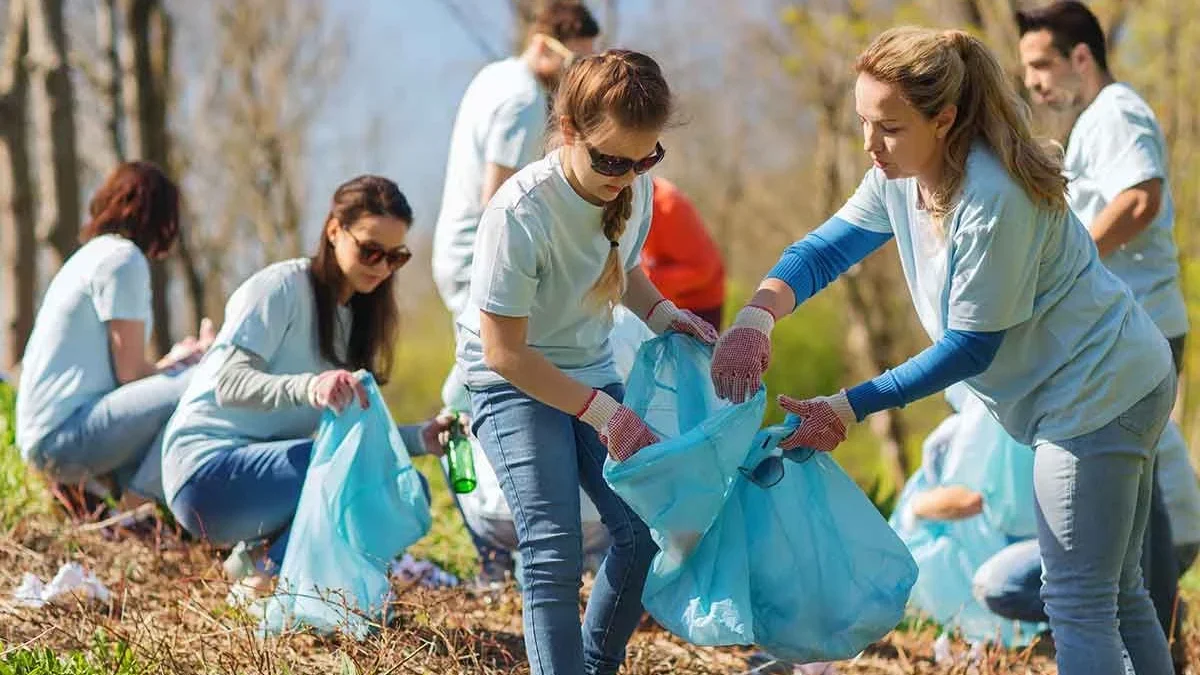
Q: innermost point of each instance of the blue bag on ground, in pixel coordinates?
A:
(972, 450)
(362, 504)
(806, 569)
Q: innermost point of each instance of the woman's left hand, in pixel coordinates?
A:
(823, 422)
(666, 316)
(435, 433)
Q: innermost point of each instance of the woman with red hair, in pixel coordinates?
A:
(90, 406)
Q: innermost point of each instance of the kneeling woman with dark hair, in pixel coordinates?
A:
(238, 447)
(89, 405)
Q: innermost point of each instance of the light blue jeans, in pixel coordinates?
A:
(542, 456)
(119, 433)
(1093, 497)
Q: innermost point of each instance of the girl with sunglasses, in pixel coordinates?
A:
(557, 248)
(237, 448)
(1012, 292)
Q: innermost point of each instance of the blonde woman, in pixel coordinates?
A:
(1013, 295)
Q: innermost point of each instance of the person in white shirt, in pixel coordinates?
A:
(558, 248)
(500, 127)
(1119, 188)
(90, 407)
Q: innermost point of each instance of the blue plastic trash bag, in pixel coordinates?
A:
(985, 458)
(362, 504)
(972, 450)
(807, 568)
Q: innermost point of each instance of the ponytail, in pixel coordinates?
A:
(610, 286)
(989, 107)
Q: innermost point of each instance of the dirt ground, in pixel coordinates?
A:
(168, 606)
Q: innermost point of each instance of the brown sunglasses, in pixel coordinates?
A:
(371, 254)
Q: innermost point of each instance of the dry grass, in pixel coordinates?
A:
(168, 610)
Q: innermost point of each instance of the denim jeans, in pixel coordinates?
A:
(119, 433)
(1010, 582)
(248, 494)
(542, 456)
(1093, 496)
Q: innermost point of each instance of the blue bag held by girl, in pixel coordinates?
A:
(362, 505)
(756, 549)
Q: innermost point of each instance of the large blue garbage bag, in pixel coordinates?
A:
(362, 504)
(807, 568)
(970, 449)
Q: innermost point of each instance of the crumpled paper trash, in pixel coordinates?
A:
(72, 581)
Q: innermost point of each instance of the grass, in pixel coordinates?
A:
(105, 657)
(21, 495)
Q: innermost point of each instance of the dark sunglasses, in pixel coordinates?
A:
(769, 471)
(370, 253)
(613, 166)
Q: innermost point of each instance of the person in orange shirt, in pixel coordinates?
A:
(680, 257)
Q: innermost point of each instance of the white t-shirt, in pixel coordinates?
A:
(68, 360)
(1078, 350)
(501, 120)
(487, 499)
(539, 250)
(1116, 143)
(272, 314)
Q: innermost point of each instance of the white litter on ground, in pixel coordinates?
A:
(72, 581)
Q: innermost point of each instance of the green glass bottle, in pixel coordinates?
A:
(460, 457)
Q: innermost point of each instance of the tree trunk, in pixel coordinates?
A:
(145, 118)
(864, 343)
(108, 84)
(868, 341)
(53, 105)
(18, 236)
(162, 31)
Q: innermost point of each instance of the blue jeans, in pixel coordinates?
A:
(1010, 582)
(247, 494)
(119, 433)
(542, 456)
(1093, 496)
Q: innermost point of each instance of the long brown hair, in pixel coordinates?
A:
(618, 89)
(935, 69)
(375, 317)
(139, 202)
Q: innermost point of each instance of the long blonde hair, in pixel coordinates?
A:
(622, 90)
(935, 69)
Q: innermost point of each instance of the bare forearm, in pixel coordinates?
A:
(640, 293)
(494, 176)
(1125, 217)
(139, 371)
(534, 374)
(952, 502)
(776, 297)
